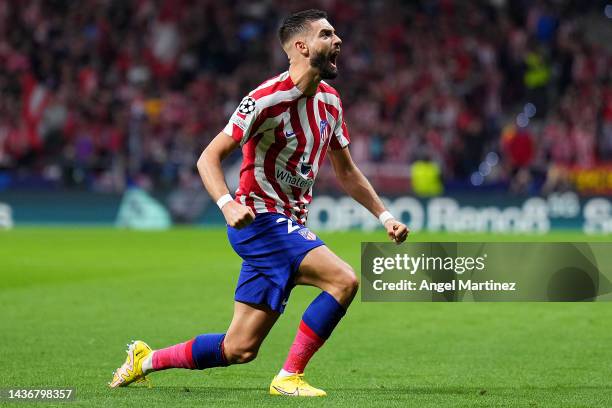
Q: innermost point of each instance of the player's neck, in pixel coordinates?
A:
(305, 79)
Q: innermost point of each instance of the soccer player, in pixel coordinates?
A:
(285, 127)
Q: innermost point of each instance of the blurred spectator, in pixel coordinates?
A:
(426, 180)
(518, 146)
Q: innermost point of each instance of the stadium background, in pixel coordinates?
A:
(470, 117)
(487, 102)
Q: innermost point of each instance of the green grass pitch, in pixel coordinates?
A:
(70, 299)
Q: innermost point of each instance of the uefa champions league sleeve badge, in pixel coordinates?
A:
(247, 106)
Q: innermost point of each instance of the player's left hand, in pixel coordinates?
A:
(396, 231)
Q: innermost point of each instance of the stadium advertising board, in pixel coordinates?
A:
(6, 216)
(483, 213)
(503, 213)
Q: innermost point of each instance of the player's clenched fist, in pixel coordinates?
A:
(237, 215)
(396, 230)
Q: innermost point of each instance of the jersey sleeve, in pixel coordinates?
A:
(240, 125)
(340, 138)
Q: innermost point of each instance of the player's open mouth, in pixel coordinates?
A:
(333, 57)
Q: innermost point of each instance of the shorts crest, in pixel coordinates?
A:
(308, 234)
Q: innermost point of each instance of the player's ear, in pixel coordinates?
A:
(301, 47)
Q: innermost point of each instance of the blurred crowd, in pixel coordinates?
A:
(103, 93)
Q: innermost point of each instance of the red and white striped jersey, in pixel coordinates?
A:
(284, 137)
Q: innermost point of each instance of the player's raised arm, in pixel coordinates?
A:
(209, 166)
(356, 185)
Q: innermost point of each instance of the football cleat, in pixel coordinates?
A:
(294, 386)
(131, 370)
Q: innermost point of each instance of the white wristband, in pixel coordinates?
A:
(224, 200)
(385, 216)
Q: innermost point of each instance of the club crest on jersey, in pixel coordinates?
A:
(247, 105)
(323, 130)
(308, 234)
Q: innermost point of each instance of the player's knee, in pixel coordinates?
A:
(351, 283)
(347, 283)
(240, 354)
(244, 356)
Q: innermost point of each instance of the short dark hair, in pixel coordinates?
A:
(297, 22)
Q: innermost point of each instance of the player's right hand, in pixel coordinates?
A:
(237, 215)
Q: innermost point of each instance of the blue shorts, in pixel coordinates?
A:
(272, 248)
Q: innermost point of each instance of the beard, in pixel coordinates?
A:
(322, 62)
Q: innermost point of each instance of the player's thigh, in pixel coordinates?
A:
(249, 327)
(327, 271)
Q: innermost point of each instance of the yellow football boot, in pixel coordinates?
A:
(131, 370)
(294, 386)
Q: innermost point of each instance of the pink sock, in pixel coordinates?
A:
(177, 356)
(306, 343)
